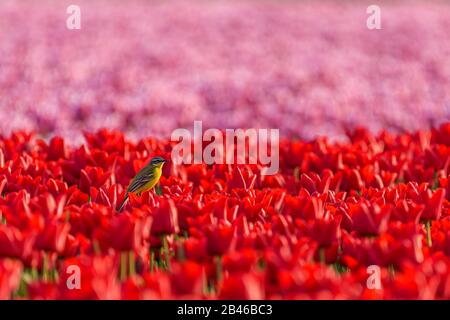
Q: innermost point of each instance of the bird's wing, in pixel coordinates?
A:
(142, 178)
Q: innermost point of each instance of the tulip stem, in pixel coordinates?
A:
(22, 290)
(219, 268)
(123, 266)
(132, 264)
(96, 247)
(152, 261)
(166, 251)
(322, 255)
(44, 267)
(205, 285)
(34, 273)
(181, 253)
(391, 270)
(158, 190)
(428, 229)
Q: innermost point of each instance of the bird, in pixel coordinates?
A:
(145, 179)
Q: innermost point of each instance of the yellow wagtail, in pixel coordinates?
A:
(145, 179)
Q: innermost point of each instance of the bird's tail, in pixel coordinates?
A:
(123, 203)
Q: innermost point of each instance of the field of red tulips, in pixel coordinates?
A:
(360, 206)
(224, 231)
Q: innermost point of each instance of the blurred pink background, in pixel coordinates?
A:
(148, 67)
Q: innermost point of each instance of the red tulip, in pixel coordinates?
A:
(240, 261)
(98, 278)
(324, 231)
(42, 291)
(405, 211)
(241, 178)
(242, 286)
(56, 149)
(433, 205)
(165, 218)
(187, 278)
(52, 237)
(369, 219)
(123, 233)
(14, 243)
(219, 238)
(195, 249)
(10, 271)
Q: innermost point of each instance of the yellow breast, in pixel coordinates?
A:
(156, 176)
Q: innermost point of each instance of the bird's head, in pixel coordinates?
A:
(157, 162)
